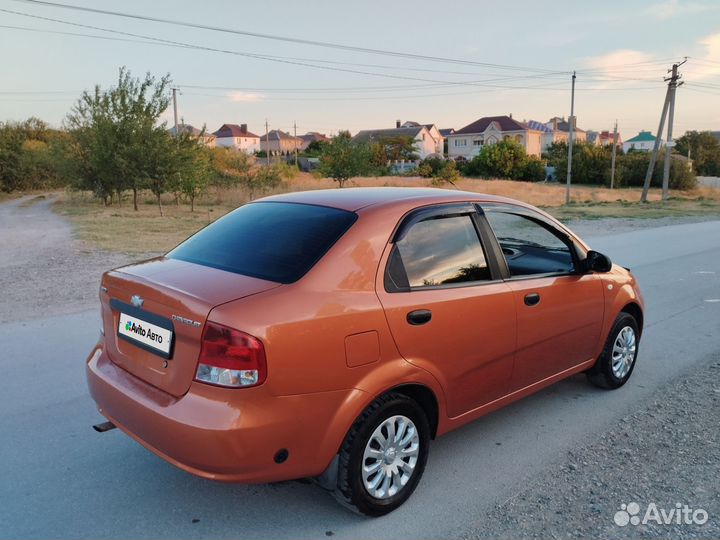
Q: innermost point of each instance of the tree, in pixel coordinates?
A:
(632, 167)
(505, 159)
(263, 178)
(31, 156)
(194, 162)
(704, 149)
(117, 137)
(11, 143)
(343, 159)
(314, 149)
(591, 163)
(397, 147)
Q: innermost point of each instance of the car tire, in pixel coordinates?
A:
(362, 460)
(617, 361)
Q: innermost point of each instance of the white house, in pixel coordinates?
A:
(423, 143)
(237, 137)
(467, 142)
(433, 131)
(642, 142)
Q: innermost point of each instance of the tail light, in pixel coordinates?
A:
(230, 358)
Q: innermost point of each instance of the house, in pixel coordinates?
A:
(423, 143)
(558, 130)
(279, 142)
(310, 137)
(208, 139)
(446, 132)
(468, 141)
(548, 137)
(433, 130)
(237, 137)
(642, 142)
(605, 138)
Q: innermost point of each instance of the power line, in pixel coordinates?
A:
(244, 54)
(318, 60)
(434, 83)
(325, 44)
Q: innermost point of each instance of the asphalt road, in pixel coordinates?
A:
(58, 478)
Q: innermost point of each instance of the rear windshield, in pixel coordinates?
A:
(269, 240)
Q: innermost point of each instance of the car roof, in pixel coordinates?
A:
(354, 199)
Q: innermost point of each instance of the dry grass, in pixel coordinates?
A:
(119, 228)
(18, 194)
(32, 200)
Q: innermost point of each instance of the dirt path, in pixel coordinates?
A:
(43, 269)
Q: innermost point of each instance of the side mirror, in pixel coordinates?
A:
(597, 262)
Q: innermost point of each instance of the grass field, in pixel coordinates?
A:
(119, 228)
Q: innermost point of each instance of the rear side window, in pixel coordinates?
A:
(275, 241)
(438, 251)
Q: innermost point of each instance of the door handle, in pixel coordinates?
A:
(419, 316)
(532, 299)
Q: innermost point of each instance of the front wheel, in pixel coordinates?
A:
(383, 456)
(617, 361)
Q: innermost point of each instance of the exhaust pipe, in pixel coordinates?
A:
(105, 426)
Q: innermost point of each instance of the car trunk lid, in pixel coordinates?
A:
(172, 293)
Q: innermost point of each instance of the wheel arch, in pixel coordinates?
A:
(634, 309)
(423, 396)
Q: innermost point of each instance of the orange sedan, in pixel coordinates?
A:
(332, 334)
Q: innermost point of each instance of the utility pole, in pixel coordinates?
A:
(267, 143)
(174, 98)
(614, 151)
(669, 144)
(571, 133)
(669, 96)
(295, 141)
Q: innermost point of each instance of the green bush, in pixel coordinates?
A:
(506, 159)
(534, 169)
(632, 168)
(590, 165)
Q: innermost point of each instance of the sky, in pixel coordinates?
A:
(489, 59)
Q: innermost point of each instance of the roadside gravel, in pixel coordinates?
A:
(667, 453)
(44, 271)
(587, 228)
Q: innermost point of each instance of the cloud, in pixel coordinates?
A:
(707, 62)
(246, 96)
(675, 8)
(616, 59)
(626, 66)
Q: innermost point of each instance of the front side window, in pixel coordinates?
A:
(529, 247)
(438, 251)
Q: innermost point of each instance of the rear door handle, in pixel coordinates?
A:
(532, 299)
(419, 316)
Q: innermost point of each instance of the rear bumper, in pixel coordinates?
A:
(229, 435)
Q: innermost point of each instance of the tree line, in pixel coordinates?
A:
(113, 143)
(592, 164)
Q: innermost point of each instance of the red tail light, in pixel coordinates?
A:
(230, 358)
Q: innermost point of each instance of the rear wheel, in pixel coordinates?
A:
(383, 456)
(617, 361)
